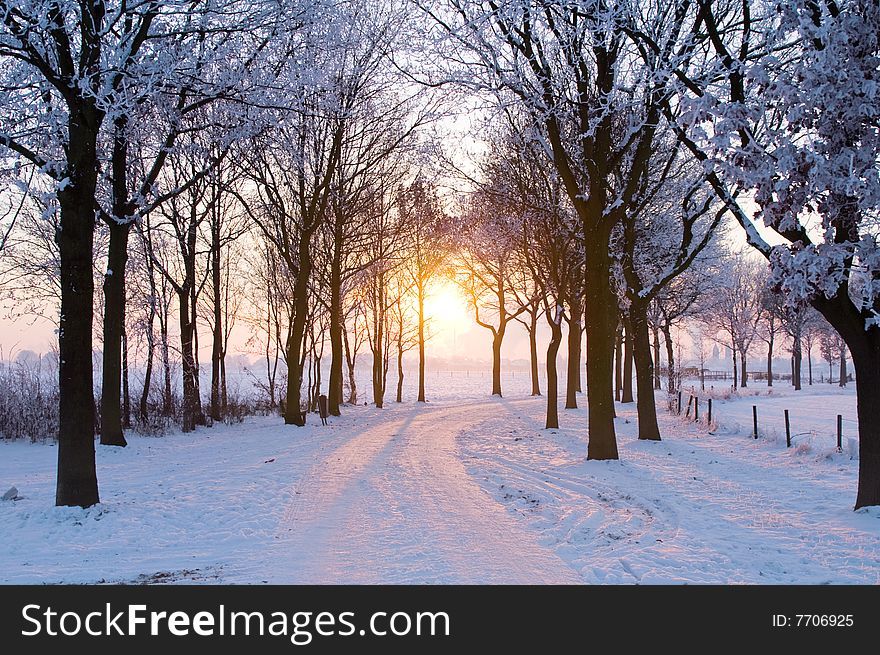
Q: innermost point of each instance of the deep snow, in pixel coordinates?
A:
(455, 491)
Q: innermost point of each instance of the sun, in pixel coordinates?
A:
(446, 308)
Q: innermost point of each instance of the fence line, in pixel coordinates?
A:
(675, 405)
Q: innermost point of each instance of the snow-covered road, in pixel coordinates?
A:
(458, 491)
(394, 504)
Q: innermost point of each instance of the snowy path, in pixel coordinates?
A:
(395, 504)
(462, 492)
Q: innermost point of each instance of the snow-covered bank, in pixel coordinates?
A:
(197, 507)
(694, 508)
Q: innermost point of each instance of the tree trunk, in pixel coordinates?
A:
(656, 335)
(317, 388)
(199, 413)
(743, 361)
(126, 397)
(167, 392)
(114, 317)
(215, 409)
(671, 385)
(421, 301)
(293, 409)
(601, 313)
(735, 370)
(148, 373)
(810, 366)
(552, 375)
(770, 361)
(843, 374)
(496, 363)
(334, 393)
(796, 373)
(574, 359)
(533, 353)
(399, 397)
(379, 354)
(350, 360)
(647, 408)
(627, 394)
(224, 392)
(866, 362)
(77, 481)
(618, 363)
(187, 362)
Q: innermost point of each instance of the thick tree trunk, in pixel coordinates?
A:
(293, 408)
(552, 375)
(421, 301)
(114, 317)
(334, 393)
(866, 363)
(627, 393)
(187, 362)
(496, 363)
(601, 323)
(77, 482)
(647, 408)
(533, 354)
(574, 359)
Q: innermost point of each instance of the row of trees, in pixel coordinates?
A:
(760, 100)
(621, 134)
(279, 132)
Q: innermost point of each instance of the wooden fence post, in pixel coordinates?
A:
(787, 431)
(755, 420)
(710, 413)
(839, 433)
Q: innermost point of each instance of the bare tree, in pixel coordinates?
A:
(487, 250)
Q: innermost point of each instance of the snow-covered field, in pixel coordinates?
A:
(466, 489)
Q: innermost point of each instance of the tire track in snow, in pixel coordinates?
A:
(576, 514)
(395, 504)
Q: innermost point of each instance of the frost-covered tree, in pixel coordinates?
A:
(784, 105)
(669, 223)
(487, 240)
(594, 99)
(734, 310)
(73, 75)
(427, 249)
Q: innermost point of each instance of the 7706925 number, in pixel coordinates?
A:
(823, 620)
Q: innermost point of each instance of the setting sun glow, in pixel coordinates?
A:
(446, 310)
